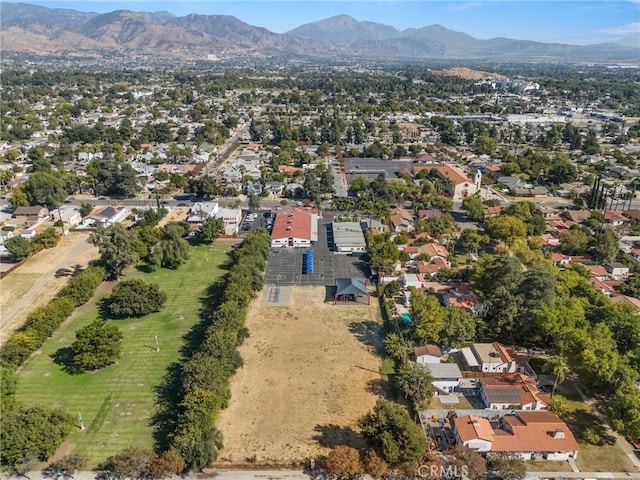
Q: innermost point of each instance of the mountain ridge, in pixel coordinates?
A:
(34, 29)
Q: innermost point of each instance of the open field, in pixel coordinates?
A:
(310, 371)
(39, 279)
(117, 402)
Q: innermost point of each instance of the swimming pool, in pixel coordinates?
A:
(406, 317)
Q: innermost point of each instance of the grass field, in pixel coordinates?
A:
(117, 402)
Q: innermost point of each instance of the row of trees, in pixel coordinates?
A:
(206, 374)
(32, 433)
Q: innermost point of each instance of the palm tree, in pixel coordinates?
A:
(560, 370)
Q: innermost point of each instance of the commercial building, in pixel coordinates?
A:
(295, 227)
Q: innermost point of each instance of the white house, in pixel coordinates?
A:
(202, 210)
(511, 391)
(446, 376)
(29, 233)
(489, 357)
(526, 435)
(412, 280)
(231, 217)
(70, 216)
(105, 216)
(427, 353)
(617, 270)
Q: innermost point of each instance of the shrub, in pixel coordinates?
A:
(81, 287)
(134, 298)
(97, 345)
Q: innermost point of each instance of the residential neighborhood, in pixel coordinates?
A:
(404, 266)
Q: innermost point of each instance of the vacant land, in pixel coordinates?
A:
(116, 403)
(310, 371)
(39, 279)
(606, 457)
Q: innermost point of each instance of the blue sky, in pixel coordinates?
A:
(568, 21)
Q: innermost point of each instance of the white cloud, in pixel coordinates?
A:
(627, 29)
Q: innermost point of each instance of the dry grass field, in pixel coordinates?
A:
(39, 279)
(310, 371)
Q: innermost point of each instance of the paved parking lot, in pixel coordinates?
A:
(286, 265)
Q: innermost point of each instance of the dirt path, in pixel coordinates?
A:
(39, 279)
(310, 371)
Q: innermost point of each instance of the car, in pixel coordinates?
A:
(246, 228)
(521, 350)
(537, 351)
(635, 442)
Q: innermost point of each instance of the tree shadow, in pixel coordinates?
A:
(368, 332)
(64, 357)
(193, 338)
(363, 267)
(103, 308)
(168, 395)
(378, 386)
(145, 268)
(581, 420)
(331, 435)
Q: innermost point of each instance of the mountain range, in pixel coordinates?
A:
(38, 30)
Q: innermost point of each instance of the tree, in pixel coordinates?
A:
(344, 461)
(472, 239)
(560, 369)
(374, 465)
(397, 348)
(427, 315)
(459, 327)
(44, 187)
(166, 465)
(85, 209)
(132, 463)
(96, 346)
(465, 458)
(116, 246)
(18, 247)
(508, 467)
(606, 246)
(173, 250)
(135, 298)
(392, 432)
(32, 432)
(253, 202)
(67, 466)
(473, 207)
(505, 228)
(414, 382)
(574, 241)
(384, 256)
(624, 410)
(211, 229)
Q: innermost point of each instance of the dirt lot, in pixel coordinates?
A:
(39, 278)
(310, 371)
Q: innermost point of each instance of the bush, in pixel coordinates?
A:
(81, 287)
(33, 431)
(97, 345)
(591, 436)
(134, 298)
(45, 320)
(18, 247)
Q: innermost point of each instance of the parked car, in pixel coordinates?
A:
(521, 350)
(537, 351)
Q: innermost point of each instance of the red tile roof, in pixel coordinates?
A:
(522, 432)
(428, 349)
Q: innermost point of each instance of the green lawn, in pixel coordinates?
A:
(117, 402)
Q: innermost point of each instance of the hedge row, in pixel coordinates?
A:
(43, 321)
(206, 375)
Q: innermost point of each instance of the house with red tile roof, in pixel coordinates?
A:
(295, 227)
(427, 353)
(615, 218)
(489, 212)
(458, 185)
(510, 391)
(625, 299)
(598, 271)
(560, 259)
(528, 435)
(401, 220)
